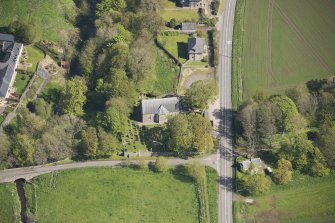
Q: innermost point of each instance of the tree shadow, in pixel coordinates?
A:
(268, 157)
(180, 173)
(176, 2)
(182, 50)
(315, 85)
(153, 138)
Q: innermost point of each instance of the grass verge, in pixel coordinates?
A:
(237, 54)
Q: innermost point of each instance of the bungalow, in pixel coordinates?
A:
(188, 27)
(197, 48)
(10, 53)
(256, 162)
(156, 111)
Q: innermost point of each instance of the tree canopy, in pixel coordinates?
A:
(199, 94)
(74, 96)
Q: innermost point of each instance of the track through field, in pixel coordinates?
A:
(309, 47)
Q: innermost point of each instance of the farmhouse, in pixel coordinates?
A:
(256, 162)
(188, 27)
(194, 4)
(10, 53)
(197, 48)
(157, 110)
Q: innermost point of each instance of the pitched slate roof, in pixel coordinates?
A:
(246, 163)
(7, 69)
(6, 37)
(161, 106)
(188, 26)
(196, 45)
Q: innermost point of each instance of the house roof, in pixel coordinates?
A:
(196, 45)
(160, 106)
(188, 26)
(246, 163)
(7, 69)
(6, 37)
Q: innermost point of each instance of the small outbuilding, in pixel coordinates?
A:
(156, 111)
(188, 27)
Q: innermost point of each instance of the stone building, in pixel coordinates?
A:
(156, 111)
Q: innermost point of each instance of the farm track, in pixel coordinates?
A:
(301, 37)
(269, 74)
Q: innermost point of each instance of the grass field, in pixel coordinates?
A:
(50, 16)
(166, 74)
(285, 43)
(34, 56)
(176, 44)
(9, 203)
(119, 195)
(182, 15)
(305, 199)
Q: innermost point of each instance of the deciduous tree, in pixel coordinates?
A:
(283, 173)
(199, 94)
(89, 142)
(74, 96)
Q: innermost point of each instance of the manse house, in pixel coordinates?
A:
(10, 53)
(197, 48)
(156, 111)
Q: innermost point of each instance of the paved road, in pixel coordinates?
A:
(225, 158)
(10, 175)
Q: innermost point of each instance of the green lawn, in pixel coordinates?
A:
(170, 4)
(21, 82)
(53, 88)
(305, 199)
(116, 195)
(51, 17)
(285, 44)
(166, 74)
(9, 203)
(182, 15)
(176, 44)
(34, 56)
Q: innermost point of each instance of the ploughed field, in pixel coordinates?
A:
(285, 43)
(117, 195)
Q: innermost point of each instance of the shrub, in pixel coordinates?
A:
(283, 174)
(255, 184)
(161, 164)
